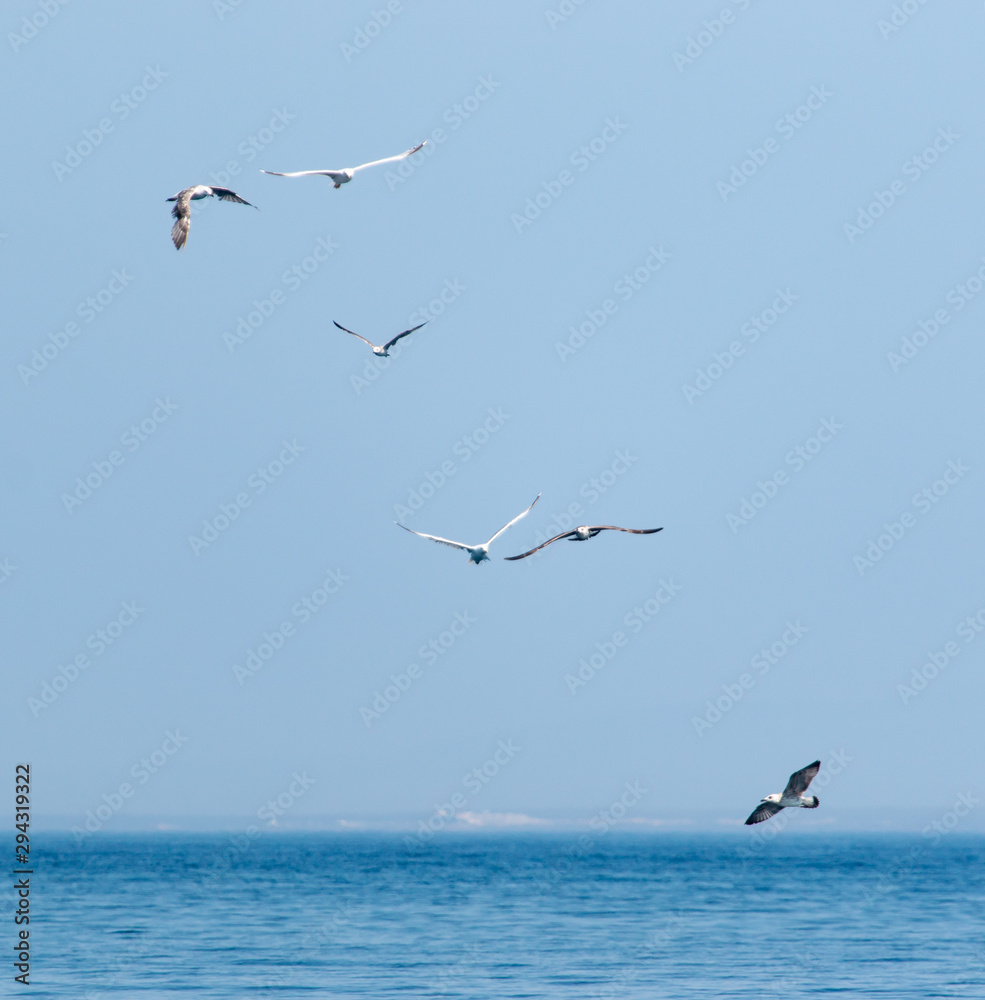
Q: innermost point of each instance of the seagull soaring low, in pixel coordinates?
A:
(477, 553)
(384, 351)
(182, 211)
(583, 532)
(340, 177)
(792, 795)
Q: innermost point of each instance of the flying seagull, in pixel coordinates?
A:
(340, 177)
(477, 553)
(792, 795)
(182, 211)
(582, 533)
(384, 351)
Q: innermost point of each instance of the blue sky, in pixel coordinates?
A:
(719, 274)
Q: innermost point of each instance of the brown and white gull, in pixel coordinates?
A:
(792, 795)
(340, 177)
(182, 211)
(384, 350)
(477, 553)
(582, 533)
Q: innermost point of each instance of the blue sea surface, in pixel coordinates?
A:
(476, 916)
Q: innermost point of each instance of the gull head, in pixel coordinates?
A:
(479, 554)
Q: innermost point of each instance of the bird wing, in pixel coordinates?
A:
(510, 525)
(632, 531)
(388, 159)
(224, 194)
(179, 231)
(334, 174)
(799, 780)
(763, 811)
(564, 534)
(365, 341)
(435, 538)
(182, 201)
(391, 342)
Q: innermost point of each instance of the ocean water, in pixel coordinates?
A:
(633, 916)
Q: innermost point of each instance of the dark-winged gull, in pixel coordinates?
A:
(582, 533)
(340, 177)
(477, 553)
(792, 795)
(182, 211)
(384, 351)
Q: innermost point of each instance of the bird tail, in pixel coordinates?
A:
(815, 802)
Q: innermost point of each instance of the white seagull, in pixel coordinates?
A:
(340, 177)
(792, 795)
(582, 533)
(477, 553)
(384, 351)
(182, 211)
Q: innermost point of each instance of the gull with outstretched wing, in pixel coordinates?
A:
(792, 795)
(582, 533)
(477, 553)
(182, 211)
(340, 177)
(384, 350)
